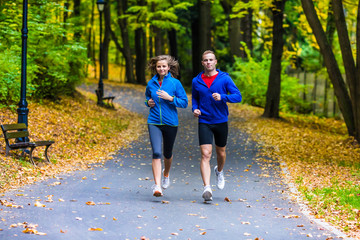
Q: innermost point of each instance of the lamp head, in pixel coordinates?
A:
(101, 5)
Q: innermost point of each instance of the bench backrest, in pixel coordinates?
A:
(12, 131)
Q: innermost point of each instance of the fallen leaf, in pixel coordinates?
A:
(95, 229)
(38, 204)
(227, 199)
(91, 203)
(202, 233)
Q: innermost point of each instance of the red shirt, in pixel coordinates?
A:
(208, 80)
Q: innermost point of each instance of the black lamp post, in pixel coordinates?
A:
(100, 91)
(23, 110)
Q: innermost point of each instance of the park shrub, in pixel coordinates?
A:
(252, 79)
(55, 60)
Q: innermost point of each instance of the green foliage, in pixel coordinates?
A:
(55, 62)
(252, 78)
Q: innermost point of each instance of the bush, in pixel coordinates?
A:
(252, 78)
(55, 63)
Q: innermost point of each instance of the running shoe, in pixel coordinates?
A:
(157, 192)
(220, 179)
(165, 181)
(207, 194)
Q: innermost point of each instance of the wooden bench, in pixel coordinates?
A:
(109, 100)
(15, 131)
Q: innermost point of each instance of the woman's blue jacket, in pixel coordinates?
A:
(164, 112)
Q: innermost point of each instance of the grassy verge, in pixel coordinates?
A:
(84, 133)
(324, 163)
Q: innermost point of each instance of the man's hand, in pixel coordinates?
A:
(197, 112)
(216, 96)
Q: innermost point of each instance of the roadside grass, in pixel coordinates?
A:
(322, 160)
(84, 134)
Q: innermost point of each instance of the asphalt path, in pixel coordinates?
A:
(115, 201)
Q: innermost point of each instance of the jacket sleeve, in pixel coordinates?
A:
(180, 98)
(147, 95)
(234, 95)
(195, 97)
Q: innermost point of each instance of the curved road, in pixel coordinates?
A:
(259, 205)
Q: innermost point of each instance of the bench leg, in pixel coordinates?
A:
(7, 151)
(31, 156)
(46, 155)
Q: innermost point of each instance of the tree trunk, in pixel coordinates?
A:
(349, 63)
(246, 29)
(77, 5)
(140, 51)
(274, 85)
(195, 41)
(357, 87)
(125, 49)
(234, 30)
(106, 42)
(205, 26)
(158, 38)
(173, 43)
(331, 66)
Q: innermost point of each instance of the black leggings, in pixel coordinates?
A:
(157, 134)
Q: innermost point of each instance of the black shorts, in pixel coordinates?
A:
(218, 131)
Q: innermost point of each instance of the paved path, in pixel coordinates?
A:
(124, 207)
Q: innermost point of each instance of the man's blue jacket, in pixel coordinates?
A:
(164, 112)
(213, 112)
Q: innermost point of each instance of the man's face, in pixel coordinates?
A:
(209, 62)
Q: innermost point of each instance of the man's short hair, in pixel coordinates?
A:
(207, 52)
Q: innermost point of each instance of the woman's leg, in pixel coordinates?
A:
(169, 135)
(155, 140)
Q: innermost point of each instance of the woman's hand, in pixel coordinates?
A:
(164, 95)
(151, 102)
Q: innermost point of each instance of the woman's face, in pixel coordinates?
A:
(162, 68)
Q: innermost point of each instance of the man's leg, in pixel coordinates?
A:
(221, 157)
(205, 169)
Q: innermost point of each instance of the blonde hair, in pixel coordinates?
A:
(173, 64)
(207, 52)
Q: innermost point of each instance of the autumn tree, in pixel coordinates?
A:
(348, 96)
(273, 91)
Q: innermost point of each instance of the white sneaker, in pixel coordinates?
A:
(165, 181)
(207, 194)
(157, 192)
(220, 179)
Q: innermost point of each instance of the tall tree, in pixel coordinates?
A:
(106, 41)
(77, 6)
(349, 104)
(234, 29)
(274, 85)
(201, 33)
(140, 49)
(125, 49)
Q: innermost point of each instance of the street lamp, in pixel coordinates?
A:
(100, 91)
(23, 110)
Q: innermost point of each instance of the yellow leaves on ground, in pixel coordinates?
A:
(317, 151)
(84, 133)
(95, 229)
